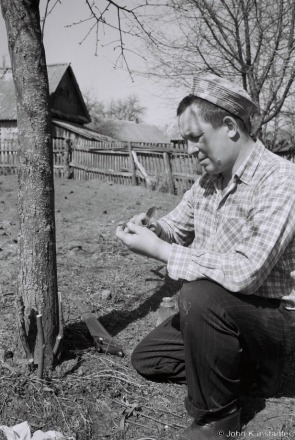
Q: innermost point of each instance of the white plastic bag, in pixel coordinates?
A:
(22, 431)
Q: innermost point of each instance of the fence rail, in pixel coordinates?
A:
(161, 166)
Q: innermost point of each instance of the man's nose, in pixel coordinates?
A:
(192, 148)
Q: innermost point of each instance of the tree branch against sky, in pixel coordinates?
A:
(127, 22)
(244, 40)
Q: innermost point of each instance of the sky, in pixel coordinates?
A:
(95, 73)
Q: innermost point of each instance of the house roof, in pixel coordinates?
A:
(82, 131)
(127, 131)
(55, 75)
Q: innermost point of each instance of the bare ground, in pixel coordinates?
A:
(92, 395)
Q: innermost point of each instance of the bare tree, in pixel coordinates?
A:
(37, 281)
(250, 41)
(95, 107)
(128, 109)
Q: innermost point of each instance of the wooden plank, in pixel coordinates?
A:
(132, 166)
(99, 170)
(168, 173)
(67, 159)
(141, 169)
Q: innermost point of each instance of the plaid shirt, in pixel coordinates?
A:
(244, 239)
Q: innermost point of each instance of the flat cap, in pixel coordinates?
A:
(224, 94)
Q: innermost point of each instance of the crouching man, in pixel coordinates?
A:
(232, 238)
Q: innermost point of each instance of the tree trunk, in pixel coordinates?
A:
(37, 281)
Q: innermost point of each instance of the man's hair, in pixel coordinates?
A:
(209, 112)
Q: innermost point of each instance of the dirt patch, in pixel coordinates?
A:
(92, 395)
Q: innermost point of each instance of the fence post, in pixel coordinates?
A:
(169, 173)
(67, 159)
(132, 165)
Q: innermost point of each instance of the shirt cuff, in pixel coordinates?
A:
(179, 262)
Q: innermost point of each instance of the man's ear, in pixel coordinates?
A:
(232, 127)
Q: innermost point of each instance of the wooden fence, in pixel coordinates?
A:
(165, 168)
(162, 167)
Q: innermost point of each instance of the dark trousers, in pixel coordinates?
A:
(206, 343)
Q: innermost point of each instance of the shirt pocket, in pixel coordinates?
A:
(230, 232)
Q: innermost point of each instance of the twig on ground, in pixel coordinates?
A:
(174, 425)
(162, 410)
(139, 424)
(149, 417)
(5, 365)
(64, 417)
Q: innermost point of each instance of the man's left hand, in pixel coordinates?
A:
(142, 241)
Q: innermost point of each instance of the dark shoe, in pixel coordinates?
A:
(228, 427)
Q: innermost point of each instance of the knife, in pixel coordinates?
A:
(147, 222)
(150, 213)
(103, 341)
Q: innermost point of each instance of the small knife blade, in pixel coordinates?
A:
(150, 213)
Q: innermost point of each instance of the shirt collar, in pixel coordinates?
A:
(248, 168)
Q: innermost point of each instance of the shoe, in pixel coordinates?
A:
(228, 427)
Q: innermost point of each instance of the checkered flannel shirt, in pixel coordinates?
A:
(244, 239)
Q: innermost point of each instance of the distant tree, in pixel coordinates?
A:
(96, 108)
(250, 41)
(128, 109)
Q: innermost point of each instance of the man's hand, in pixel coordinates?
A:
(142, 220)
(143, 241)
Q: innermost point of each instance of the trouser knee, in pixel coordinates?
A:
(196, 298)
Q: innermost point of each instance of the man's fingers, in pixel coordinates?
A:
(120, 230)
(133, 227)
(153, 226)
(138, 219)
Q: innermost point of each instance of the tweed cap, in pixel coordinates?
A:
(224, 94)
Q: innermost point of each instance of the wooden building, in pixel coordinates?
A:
(68, 109)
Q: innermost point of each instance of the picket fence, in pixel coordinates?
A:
(160, 166)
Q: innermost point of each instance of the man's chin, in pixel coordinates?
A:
(209, 169)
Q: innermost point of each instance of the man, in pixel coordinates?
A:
(232, 238)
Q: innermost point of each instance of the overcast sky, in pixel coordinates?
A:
(95, 72)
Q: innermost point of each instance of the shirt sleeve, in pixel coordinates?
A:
(178, 225)
(268, 229)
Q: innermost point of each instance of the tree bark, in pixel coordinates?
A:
(37, 280)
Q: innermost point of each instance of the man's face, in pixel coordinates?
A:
(212, 147)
